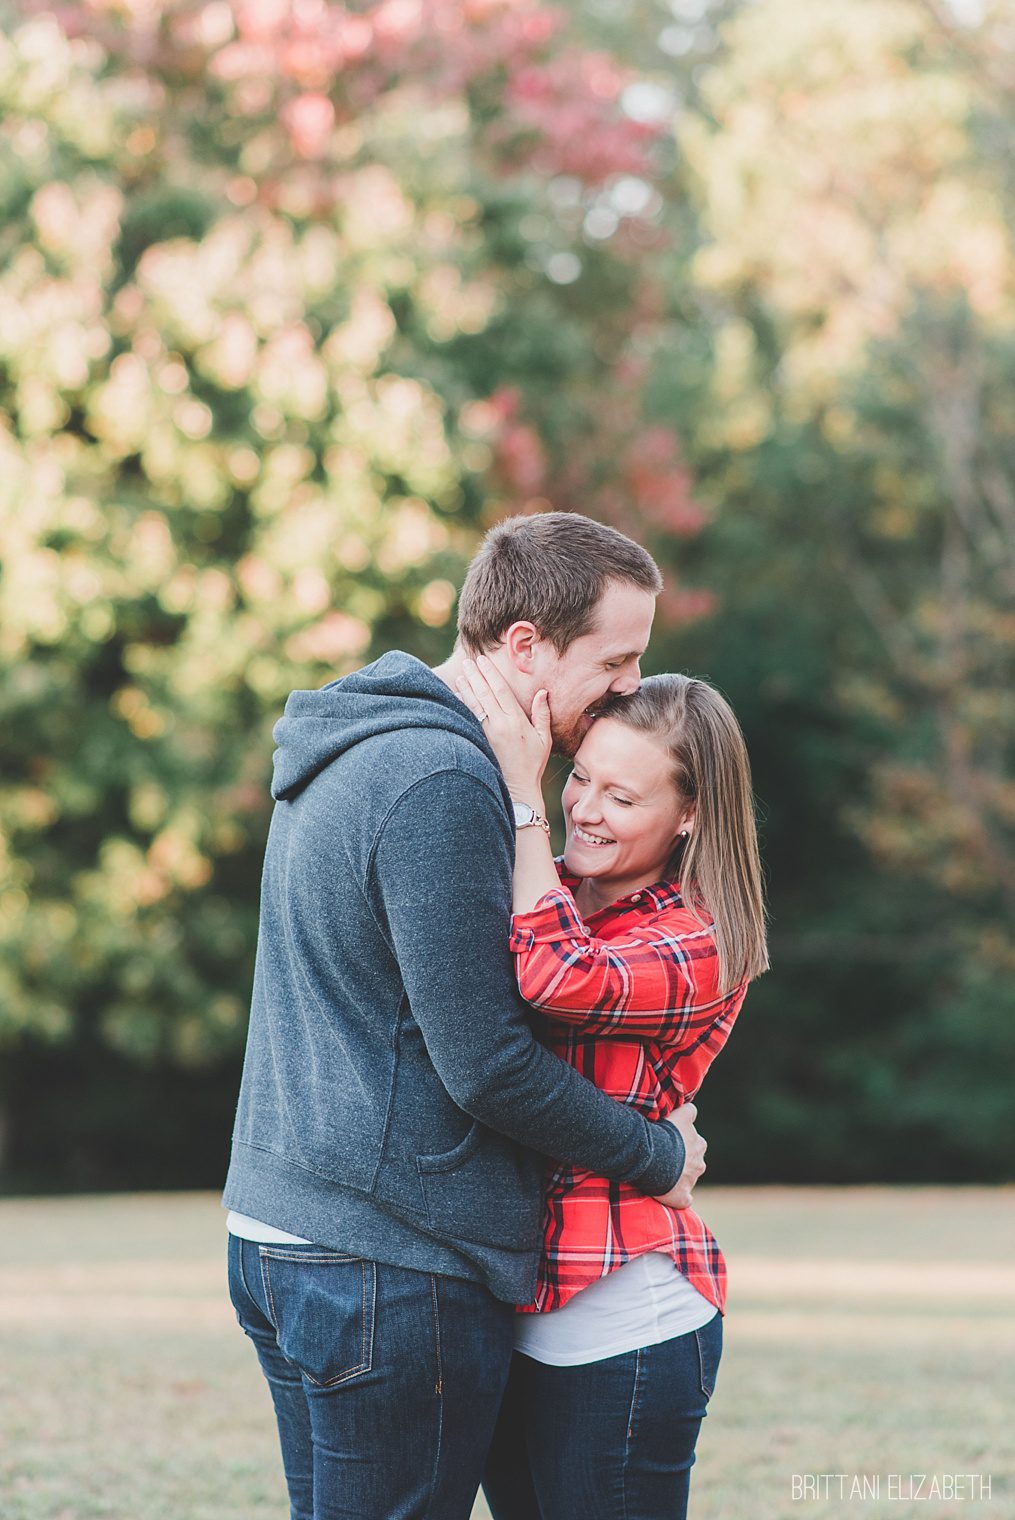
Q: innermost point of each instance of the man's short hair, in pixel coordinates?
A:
(549, 569)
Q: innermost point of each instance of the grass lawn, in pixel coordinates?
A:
(870, 1332)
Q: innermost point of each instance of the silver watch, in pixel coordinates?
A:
(526, 817)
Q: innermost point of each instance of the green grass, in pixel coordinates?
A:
(870, 1331)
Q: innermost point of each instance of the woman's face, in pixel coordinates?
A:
(623, 812)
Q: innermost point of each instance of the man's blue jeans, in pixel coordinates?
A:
(386, 1382)
(609, 1440)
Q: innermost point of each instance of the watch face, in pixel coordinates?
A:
(523, 813)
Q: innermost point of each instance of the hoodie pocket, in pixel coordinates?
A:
(485, 1189)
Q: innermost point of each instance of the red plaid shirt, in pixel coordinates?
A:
(632, 1001)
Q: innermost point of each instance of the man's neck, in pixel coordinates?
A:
(451, 668)
(454, 666)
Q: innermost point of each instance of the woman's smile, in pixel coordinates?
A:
(593, 840)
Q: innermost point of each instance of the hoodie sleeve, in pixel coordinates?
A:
(441, 873)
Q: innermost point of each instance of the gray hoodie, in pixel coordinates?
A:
(394, 1100)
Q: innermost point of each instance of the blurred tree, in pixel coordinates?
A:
(847, 416)
(294, 299)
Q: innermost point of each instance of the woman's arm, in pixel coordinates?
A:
(659, 982)
(522, 746)
(535, 872)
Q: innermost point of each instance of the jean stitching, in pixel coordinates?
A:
(365, 1361)
(437, 1336)
(364, 1364)
(243, 1275)
(363, 1317)
(266, 1284)
(630, 1430)
(701, 1366)
(317, 1257)
(370, 1268)
(438, 1387)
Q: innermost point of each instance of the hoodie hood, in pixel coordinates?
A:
(393, 694)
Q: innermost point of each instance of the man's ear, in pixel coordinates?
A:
(520, 643)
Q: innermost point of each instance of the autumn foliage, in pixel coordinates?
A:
(296, 297)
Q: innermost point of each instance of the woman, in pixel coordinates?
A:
(637, 950)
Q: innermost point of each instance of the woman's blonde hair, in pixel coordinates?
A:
(718, 866)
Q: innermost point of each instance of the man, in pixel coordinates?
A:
(396, 1110)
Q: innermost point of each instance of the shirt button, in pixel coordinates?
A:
(637, 897)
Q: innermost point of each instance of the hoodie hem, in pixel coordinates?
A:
(268, 1187)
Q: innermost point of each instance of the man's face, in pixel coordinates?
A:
(603, 661)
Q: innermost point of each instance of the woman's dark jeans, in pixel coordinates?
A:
(609, 1440)
(386, 1382)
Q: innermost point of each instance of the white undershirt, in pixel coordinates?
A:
(265, 1234)
(644, 1302)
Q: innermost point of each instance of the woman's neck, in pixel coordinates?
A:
(597, 892)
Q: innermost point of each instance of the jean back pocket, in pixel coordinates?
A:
(322, 1304)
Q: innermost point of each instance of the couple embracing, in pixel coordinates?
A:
(460, 1235)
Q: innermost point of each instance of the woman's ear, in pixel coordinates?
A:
(687, 823)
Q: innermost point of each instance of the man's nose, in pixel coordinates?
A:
(628, 681)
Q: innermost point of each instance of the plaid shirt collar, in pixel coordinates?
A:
(661, 894)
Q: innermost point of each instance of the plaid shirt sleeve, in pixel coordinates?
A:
(658, 982)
